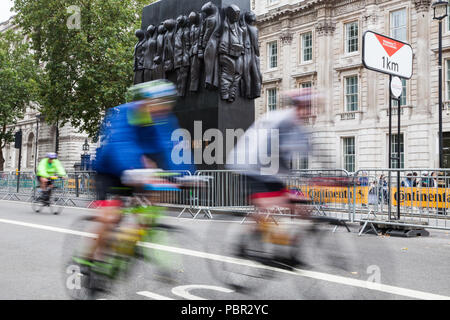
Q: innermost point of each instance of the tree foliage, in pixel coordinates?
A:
(18, 85)
(87, 69)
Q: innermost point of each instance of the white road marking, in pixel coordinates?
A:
(287, 219)
(183, 291)
(298, 272)
(153, 296)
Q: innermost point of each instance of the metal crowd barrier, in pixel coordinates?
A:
(224, 190)
(424, 198)
(424, 194)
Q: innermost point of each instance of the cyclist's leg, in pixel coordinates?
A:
(43, 183)
(109, 214)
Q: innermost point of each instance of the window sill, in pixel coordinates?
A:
(349, 115)
(394, 110)
(351, 54)
(305, 63)
(309, 120)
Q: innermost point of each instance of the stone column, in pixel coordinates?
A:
(324, 140)
(370, 22)
(422, 58)
(286, 38)
(325, 28)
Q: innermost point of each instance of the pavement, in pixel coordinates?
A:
(34, 246)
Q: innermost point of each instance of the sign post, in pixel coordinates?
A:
(395, 58)
(18, 145)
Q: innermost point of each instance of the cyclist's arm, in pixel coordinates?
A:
(60, 169)
(42, 169)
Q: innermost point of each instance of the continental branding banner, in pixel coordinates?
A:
(334, 194)
(89, 184)
(422, 197)
(409, 197)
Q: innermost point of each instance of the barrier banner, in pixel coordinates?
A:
(334, 194)
(422, 197)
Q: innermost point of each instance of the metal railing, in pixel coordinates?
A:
(423, 199)
(370, 198)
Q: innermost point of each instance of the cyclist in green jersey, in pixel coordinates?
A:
(48, 168)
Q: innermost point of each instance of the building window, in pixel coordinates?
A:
(299, 162)
(351, 37)
(448, 79)
(402, 97)
(271, 2)
(307, 85)
(349, 154)
(398, 24)
(351, 93)
(271, 99)
(395, 152)
(448, 18)
(307, 50)
(273, 55)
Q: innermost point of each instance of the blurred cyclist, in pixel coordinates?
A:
(135, 135)
(48, 168)
(282, 134)
(283, 127)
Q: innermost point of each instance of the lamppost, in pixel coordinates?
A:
(38, 120)
(85, 157)
(439, 13)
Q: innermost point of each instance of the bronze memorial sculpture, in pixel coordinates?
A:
(216, 48)
(150, 52)
(139, 57)
(182, 54)
(196, 53)
(158, 67)
(231, 51)
(169, 50)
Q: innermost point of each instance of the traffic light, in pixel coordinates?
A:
(18, 139)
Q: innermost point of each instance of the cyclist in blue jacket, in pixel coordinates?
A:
(135, 135)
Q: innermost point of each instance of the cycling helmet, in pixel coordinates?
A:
(157, 89)
(301, 97)
(52, 155)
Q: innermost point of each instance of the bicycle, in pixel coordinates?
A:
(139, 236)
(277, 244)
(47, 199)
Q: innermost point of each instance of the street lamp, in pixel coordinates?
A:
(439, 13)
(38, 120)
(85, 157)
(85, 146)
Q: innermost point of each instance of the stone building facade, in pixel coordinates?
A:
(43, 136)
(318, 43)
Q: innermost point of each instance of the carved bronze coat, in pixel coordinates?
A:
(169, 51)
(231, 52)
(150, 52)
(158, 67)
(139, 57)
(210, 43)
(181, 53)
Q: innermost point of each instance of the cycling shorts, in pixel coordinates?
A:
(49, 181)
(111, 185)
(259, 188)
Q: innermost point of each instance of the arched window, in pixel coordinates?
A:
(31, 145)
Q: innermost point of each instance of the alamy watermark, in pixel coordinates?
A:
(257, 147)
(74, 21)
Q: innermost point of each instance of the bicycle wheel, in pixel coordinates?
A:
(326, 257)
(245, 259)
(79, 280)
(36, 204)
(54, 208)
(161, 253)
